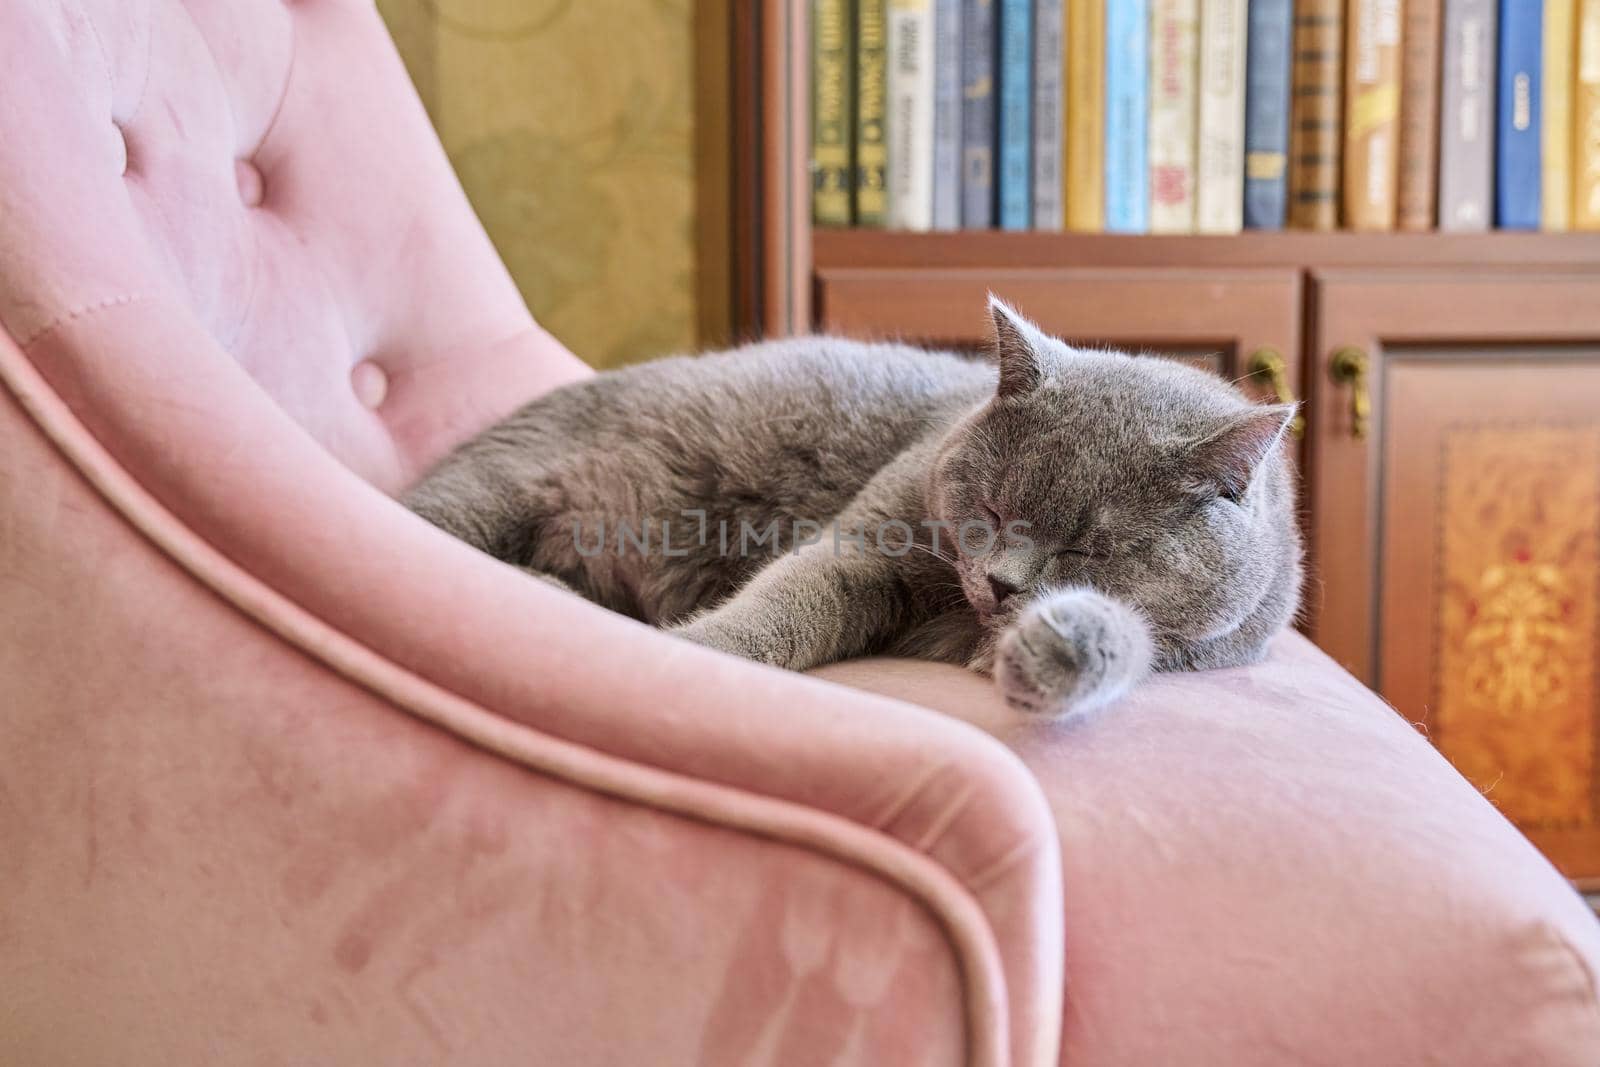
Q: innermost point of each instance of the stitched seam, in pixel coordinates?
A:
(283, 94)
(971, 968)
(105, 60)
(248, 304)
(74, 314)
(211, 54)
(149, 58)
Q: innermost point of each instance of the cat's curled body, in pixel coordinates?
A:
(1066, 520)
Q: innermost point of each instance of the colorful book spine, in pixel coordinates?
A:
(1315, 135)
(830, 112)
(1048, 54)
(1556, 136)
(1174, 89)
(1517, 126)
(872, 101)
(1086, 115)
(1466, 115)
(1586, 121)
(1219, 195)
(1419, 115)
(946, 114)
(910, 114)
(977, 114)
(1014, 137)
(1266, 114)
(1127, 85)
(1372, 115)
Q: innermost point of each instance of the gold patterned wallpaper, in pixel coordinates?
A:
(571, 124)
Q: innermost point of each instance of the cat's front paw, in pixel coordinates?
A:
(736, 633)
(1071, 650)
(710, 632)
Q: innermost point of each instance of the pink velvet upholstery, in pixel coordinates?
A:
(288, 776)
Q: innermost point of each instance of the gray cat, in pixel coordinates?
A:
(1066, 520)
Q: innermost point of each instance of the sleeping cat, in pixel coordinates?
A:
(1066, 520)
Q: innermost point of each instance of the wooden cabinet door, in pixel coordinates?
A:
(1456, 525)
(1226, 320)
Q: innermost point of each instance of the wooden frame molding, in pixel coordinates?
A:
(713, 172)
(1287, 248)
(771, 197)
(1155, 308)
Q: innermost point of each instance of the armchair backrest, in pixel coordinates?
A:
(264, 170)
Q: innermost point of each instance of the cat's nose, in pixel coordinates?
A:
(1002, 588)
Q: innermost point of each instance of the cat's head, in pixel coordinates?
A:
(1147, 479)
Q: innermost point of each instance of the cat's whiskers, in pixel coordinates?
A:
(935, 553)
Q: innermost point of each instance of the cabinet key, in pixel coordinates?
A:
(1349, 366)
(1269, 363)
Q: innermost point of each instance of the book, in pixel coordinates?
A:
(977, 113)
(1270, 39)
(1419, 115)
(1086, 115)
(910, 114)
(1013, 111)
(1555, 110)
(1127, 84)
(1517, 125)
(1219, 157)
(830, 112)
(1586, 120)
(946, 114)
(871, 187)
(1048, 55)
(1315, 136)
(1466, 114)
(1372, 115)
(1174, 96)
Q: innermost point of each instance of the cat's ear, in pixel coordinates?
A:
(1018, 349)
(1225, 461)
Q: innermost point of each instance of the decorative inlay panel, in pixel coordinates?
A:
(1519, 580)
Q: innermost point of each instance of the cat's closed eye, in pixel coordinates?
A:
(1078, 554)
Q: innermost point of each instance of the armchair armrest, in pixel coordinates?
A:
(244, 501)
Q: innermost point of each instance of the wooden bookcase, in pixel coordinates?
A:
(1451, 452)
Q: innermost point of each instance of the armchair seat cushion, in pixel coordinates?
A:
(1277, 837)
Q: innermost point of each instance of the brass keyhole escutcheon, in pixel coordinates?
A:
(1269, 363)
(1350, 366)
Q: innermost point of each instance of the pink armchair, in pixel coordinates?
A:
(288, 776)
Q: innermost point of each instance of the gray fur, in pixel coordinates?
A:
(1159, 507)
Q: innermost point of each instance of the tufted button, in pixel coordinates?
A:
(251, 188)
(370, 383)
(119, 149)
